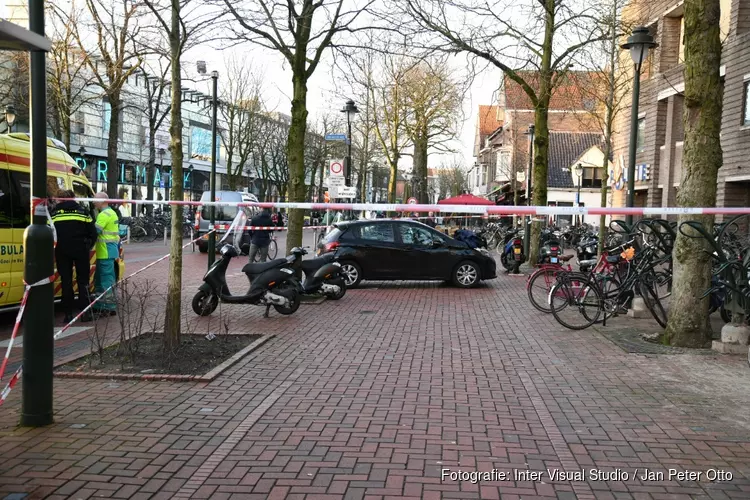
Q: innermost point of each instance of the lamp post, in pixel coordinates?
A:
(638, 44)
(212, 234)
(526, 234)
(82, 155)
(350, 109)
(190, 176)
(10, 116)
(133, 188)
(161, 166)
(579, 173)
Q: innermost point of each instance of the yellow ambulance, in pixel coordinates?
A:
(15, 209)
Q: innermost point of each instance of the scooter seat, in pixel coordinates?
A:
(317, 263)
(261, 267)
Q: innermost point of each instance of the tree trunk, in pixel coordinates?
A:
(296, 156)
(420, 168)
(65, 125)
(232, 176)
(689, 325)
(392, 179)
(113, 168)
(173, 316)
(541, 126)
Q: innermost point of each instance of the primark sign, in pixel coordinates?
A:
(98, 168)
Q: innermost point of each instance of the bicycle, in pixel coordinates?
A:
(273, 250)
(590, 296)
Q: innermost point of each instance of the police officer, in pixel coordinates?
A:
(76, 235)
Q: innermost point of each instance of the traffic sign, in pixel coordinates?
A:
(520, 176)
(336, 181)
(336, 168)
(346, 192)
(412, 201)
(335, 137)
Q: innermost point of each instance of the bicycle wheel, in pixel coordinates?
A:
(653, 304)
(273, 249)
(539, 286)
(151, 233)
(137, 233)
(575, 305)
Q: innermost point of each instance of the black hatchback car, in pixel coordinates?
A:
(404, 250)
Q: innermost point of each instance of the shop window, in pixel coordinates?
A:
(746, 103)
(640, 143)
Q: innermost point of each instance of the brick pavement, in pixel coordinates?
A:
(373, 396)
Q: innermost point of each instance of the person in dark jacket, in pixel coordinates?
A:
(76, 236)
(260, 238)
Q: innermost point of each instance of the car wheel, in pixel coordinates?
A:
(466, 275)
(352, 273)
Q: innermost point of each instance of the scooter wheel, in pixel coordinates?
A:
(341, 283)
(205, 303)
(294, 302)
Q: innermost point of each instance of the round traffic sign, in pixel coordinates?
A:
(412, 201)
(336, 168)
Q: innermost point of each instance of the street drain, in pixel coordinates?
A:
(367, 312)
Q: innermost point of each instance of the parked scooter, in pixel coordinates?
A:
(550, 249)
(271, 283)
(512, 255)
(322, 275)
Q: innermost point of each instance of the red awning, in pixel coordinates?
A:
(465, 199)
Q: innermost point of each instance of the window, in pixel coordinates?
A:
(681, 48)
(592, 177)
(79, 124)
(9, 206)
(640, 143)
(746, 103)
(83, 191)
(377, 232)
(503, 166)
(107, 117)
(413, 235)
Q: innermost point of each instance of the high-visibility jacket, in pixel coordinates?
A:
(107, 225)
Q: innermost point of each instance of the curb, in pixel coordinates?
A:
(167, 377)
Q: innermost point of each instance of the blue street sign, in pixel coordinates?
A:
(335, 137)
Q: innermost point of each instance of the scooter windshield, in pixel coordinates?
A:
(233, 236)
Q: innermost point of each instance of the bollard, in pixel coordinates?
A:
(165, 236)
(128, 240)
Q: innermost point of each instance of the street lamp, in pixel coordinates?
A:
(527, 232)
(161, 166)
(350, 109)
(10, 116)
(190, 176)
(212, 235)
(638, 44)
(579, 173)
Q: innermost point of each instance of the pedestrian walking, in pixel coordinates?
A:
(107, 250)
(76, 236)
(261, 238)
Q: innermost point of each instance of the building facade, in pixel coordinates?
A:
(502, 139)
(661, 106)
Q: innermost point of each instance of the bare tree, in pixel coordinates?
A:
(388, 120)
(156, 108)
(14, 83)
(431, 103)
(552, 34)
(453, 179)
(241, 112)
(689, 324)
(68, 78)
(301, 32)
(114, 56)
(181, 21)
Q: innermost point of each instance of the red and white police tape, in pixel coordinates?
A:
(27, 289)
(14, 379)
(454, 209)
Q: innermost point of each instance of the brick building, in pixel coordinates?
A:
(660, 117)
(501, 143)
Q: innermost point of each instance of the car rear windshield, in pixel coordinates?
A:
(222, 212)
(333, 235)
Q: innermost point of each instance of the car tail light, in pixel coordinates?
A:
(330, 247)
